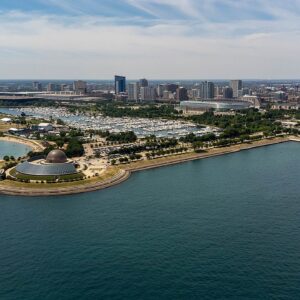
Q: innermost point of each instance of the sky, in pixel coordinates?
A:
(155, 39)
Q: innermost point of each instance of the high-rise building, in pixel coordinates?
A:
(181, 94)
(195, 93)
(52, 87)
(64, 87)
(37, 86)
(168, 96)
(79, 86)
(160, 90)
(236, 86)
(134, 91)
(227, 92)
(148, 93)
(143, 82)
(171, 87)
(207, 90)
(120, 84)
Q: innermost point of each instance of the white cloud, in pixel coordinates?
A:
(43, 46)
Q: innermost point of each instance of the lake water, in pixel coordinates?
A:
(222, 228)
(14, 149)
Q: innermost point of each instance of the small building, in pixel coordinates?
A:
(19, 131)
(45, 127)
(6, 120)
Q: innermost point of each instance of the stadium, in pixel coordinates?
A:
(189, 106)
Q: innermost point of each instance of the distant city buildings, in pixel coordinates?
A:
(237, 86)
(120, 84)
(257, 93)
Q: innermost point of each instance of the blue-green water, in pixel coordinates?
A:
(14, 149)
(222, 228)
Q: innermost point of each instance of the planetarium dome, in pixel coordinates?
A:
(56, 164)
(56, 157)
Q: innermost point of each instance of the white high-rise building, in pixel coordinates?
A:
(134, 91)
(160, 90)
(237, 86)
(148, 93)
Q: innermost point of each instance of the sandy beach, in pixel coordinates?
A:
(34, 145)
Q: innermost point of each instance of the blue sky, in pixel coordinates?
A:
(149, 38)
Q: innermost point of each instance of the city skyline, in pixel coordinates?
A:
(96, 39)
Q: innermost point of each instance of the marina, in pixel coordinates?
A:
(142, 127)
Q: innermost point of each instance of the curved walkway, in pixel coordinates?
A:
(121, 176)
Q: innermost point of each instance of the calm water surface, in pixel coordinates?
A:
(14, 149)
(221, 228)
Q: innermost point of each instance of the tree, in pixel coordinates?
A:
(74, 148)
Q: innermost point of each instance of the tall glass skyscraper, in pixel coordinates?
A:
(236, 86)
(120, 84)
(207, 90)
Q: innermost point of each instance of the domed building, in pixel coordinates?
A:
(56, 157)
(55, 164)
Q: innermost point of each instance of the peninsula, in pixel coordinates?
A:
(81, 143)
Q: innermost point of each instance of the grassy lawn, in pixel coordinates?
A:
(4, 127)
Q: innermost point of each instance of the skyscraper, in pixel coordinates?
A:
(236, 86)
(143, 82)
(134, 91)
(120, 84)
(171, 87)
(37, 86)
(160, 90)
(79, 86)
(227, 92)
(207, 90)
(181, 94)
(148, 93)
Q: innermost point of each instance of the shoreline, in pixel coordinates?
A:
(35, 146)
(182, 158)
(126, 171)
